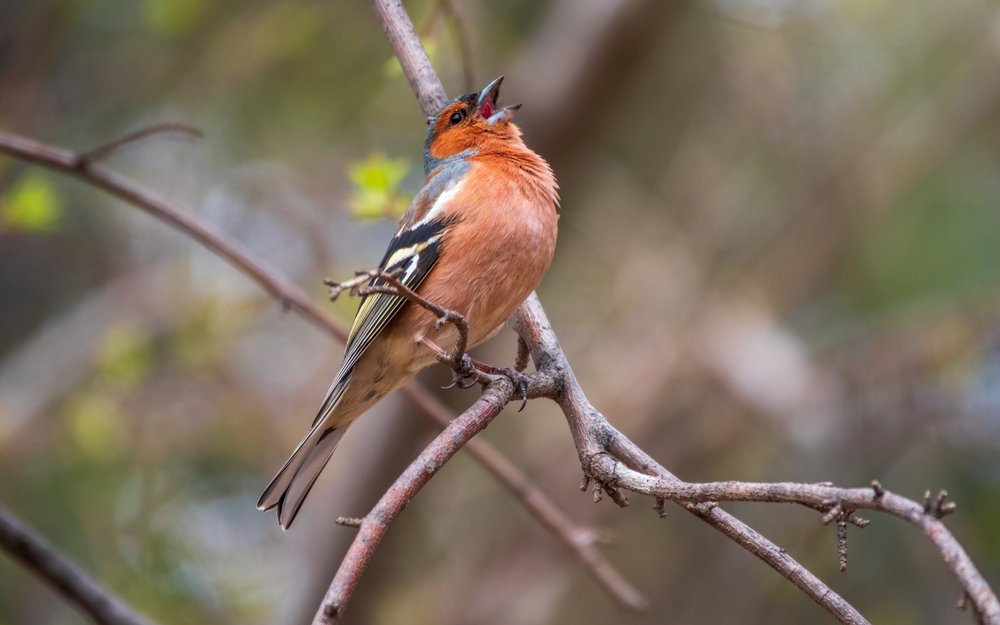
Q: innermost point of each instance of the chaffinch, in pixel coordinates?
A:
(476, 239)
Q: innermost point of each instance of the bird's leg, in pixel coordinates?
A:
(364, 284)
(465, 370)
(463, 367)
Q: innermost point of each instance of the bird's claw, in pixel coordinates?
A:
(467, 383)
(464, 374)
(520, 382)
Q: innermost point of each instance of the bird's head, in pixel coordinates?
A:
(470, 122)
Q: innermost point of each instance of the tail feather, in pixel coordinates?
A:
(288, 490)
(289, 487)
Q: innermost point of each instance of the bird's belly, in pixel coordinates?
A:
(488, 282)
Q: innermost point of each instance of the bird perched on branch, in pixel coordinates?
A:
(476, 240)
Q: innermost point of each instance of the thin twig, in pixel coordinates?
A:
(596, 439)
(75, 584)
(124, 189)
(105, 150)
(842, 544)
(348, 521)
(924, 516)
(364, 284)
(295, 300)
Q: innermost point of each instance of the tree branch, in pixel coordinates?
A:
(615, 461)
(375, 524)
(836, 503)
(578, 539)
(72, 582)
(295, 300)
(417, 68)
(533, 326)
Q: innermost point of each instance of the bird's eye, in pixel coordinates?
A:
(457, 117)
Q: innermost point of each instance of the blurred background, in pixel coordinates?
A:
(779, 259)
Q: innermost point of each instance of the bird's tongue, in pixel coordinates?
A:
(487, 99)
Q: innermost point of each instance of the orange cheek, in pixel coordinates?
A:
(451, 142)
(444, 146)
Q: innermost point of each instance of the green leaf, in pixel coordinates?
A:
(95, 424)
(32, 205)
(376, 187)
(172, 17)
(125, 357)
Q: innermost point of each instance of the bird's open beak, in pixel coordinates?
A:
(487, 104)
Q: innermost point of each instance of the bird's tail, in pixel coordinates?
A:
(289, 488)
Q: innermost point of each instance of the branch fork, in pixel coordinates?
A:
(83, 160)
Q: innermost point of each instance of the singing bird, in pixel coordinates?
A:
(477, 239)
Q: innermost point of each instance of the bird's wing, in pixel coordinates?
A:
(414, 251)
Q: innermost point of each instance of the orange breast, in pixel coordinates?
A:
(496, 255)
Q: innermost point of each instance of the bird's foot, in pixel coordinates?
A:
(517, 378)
(464, 373)
(520, 382)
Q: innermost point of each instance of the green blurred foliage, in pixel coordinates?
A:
(940, 244)
(94, 423)
(376, 187)
(124, 356)
(172, 17)
(31, 205)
